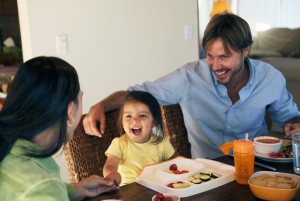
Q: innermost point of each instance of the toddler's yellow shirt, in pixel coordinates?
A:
(134, 156)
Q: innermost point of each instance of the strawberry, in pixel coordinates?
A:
(170, 185)
(176, 172)
(159, 195)
(167, 198)
(173, 167)
(184, 171)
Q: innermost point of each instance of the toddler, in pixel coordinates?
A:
(143, 142)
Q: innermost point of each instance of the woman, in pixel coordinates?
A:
(40, 114)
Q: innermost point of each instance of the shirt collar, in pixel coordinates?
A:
(47, 163)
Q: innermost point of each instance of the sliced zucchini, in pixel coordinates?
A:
(205, 178)
(197, 176)
(206, 172)
(190, 179)
(196, 181)
(215, 175)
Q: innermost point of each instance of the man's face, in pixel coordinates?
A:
(225, 66)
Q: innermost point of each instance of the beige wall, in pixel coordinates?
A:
(111, 43)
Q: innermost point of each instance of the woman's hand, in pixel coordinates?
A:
(92, 186)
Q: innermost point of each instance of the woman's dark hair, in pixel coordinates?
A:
(151, 102)
(37, 99)
(233, 30)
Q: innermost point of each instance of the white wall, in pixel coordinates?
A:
(111, 43)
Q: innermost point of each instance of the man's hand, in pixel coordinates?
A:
(95, 114)
(291, 128)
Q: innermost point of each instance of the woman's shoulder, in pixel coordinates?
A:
(23, 176)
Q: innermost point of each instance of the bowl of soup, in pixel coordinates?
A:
(267, 144)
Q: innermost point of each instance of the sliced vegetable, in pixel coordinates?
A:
(215, 175)
(196, 181)
(205, 178)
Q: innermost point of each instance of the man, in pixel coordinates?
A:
(223, 97)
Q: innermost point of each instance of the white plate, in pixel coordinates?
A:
(158, 182)
(271, 159)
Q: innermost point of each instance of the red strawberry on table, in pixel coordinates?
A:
(176, 172)
(159, 195)
(167, 199)
(170, 185)
(184, 171)
(173, 167)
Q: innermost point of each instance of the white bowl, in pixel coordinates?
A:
(264, 144)
(173, 196)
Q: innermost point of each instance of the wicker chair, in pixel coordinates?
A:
(174, 128)
(85, 154)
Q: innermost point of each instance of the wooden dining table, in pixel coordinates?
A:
(229, 191)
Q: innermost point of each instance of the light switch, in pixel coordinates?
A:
(188, 32)
(61, 44)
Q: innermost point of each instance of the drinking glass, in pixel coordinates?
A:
(296, 152)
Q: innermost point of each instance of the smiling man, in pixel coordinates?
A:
(221, 97)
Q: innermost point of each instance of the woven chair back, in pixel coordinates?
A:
(174, 127)
(85, 154)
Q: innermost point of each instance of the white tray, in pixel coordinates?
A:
(154, 178)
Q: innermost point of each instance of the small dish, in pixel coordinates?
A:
(274, 194)
(265, 157)
(267, 144)
(173, 196)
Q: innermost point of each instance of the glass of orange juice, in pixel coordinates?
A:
(243, 151)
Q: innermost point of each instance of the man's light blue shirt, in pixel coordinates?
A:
(210, 116)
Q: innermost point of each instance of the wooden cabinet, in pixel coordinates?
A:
(9, 21)
(8, 7)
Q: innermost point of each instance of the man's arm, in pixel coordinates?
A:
(97, 113)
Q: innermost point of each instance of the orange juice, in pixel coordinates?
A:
(243, 160)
